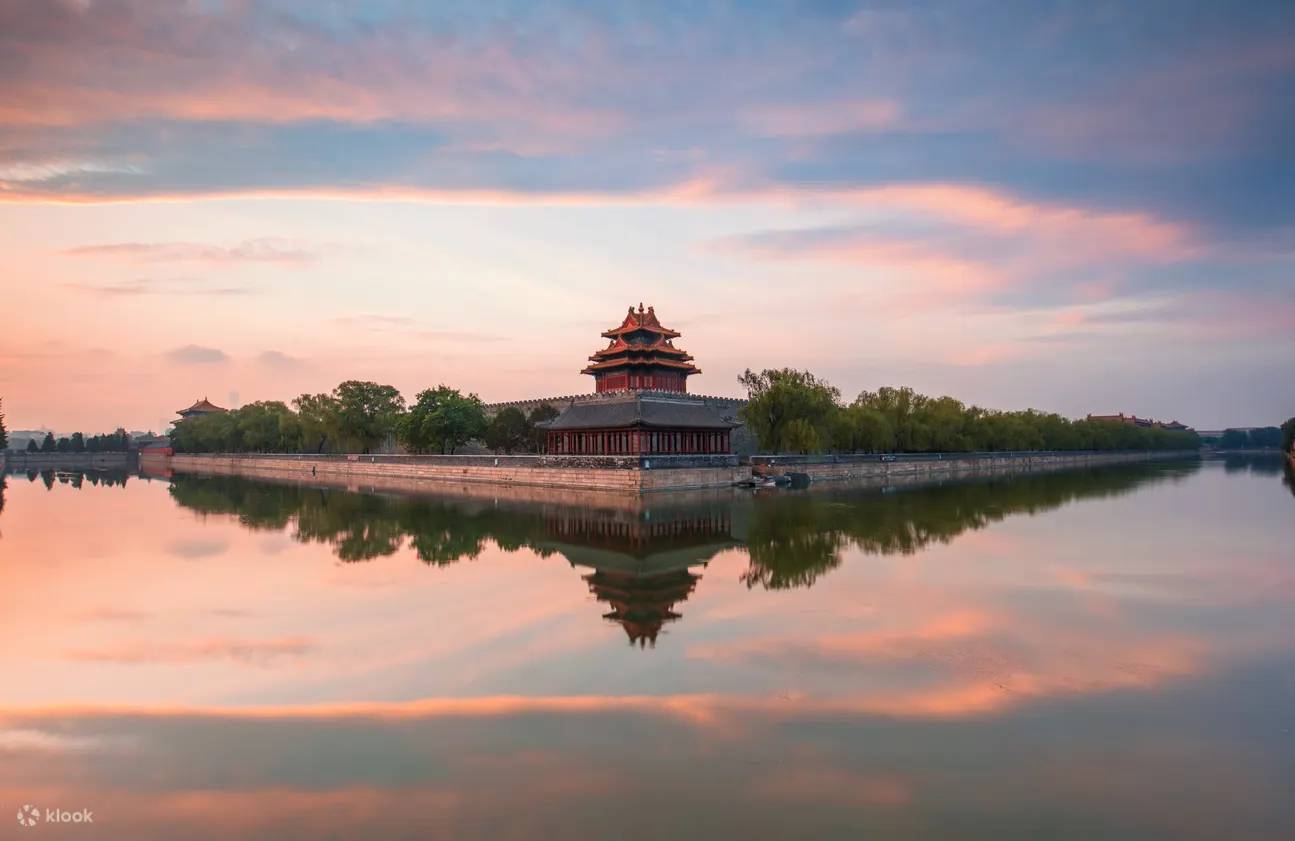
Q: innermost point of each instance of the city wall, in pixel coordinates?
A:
(635, 474)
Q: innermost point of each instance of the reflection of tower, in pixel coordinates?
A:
(642, 561)
(642, 601)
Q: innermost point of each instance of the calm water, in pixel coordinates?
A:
(1096, 654)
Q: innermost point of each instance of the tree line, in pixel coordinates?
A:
(113, 442)
(360, 416)
(792, 411)
(1259, 438)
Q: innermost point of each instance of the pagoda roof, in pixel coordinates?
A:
(201, 407)
(658, 362)
(640, 320)
(660, 345)
(637, 409)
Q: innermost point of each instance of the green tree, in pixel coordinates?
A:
(78, 442)
(367, 413)
(1288, 436)
(48, 445)
(1234, 439)
(266, 427)
(32, 447)
(789, 409)
(509, 430)
(318, 422)
(441, 420)
(540, 435)
(4, 433)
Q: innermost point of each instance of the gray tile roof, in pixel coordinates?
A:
(639, 410)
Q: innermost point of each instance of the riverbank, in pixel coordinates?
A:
(633, 474)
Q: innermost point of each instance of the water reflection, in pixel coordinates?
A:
(216, 658)
(644, 556)
(792, 537)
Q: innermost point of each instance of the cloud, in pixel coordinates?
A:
(197, 548)
(813, 120)
(47, 741)
(278, 361)
(250, 652)
(266, 250)
(196, 355)
(129, 100)
(154, 286)
(411, 327)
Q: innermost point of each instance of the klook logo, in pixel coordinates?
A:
(28, 816)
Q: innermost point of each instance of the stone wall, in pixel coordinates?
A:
(899, 469)
(611, 473)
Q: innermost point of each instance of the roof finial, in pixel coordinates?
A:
(640, 306)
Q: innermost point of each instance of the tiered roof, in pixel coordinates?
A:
(202, 407)
(641, 341)
(636, 409)
(642, 603)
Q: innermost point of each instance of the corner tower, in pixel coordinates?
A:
(640, 355)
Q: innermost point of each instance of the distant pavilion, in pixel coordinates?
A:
(200, 408)
(641, 404)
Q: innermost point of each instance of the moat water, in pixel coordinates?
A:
(1105, 653)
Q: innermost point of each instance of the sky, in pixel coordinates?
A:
(1078, 207)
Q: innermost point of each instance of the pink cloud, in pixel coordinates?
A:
(251, 652)
(89, 63)
(263, 250)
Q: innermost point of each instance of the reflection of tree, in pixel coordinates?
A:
(796, 537)
(1288, 476)
(786, 546)
(1260, 464)
(77, 478)
(792, 538)
(4, 485)
(362, 526)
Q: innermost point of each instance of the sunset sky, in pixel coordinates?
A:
(1073, 206)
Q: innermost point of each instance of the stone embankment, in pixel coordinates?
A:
(921, 467)
(635, 474)
(613, 473)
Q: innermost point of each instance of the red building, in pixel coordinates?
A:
(641, 405)
(641, 355)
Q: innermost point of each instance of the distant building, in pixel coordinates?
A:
(1134, 420)
(202, 407)
(641, 404)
